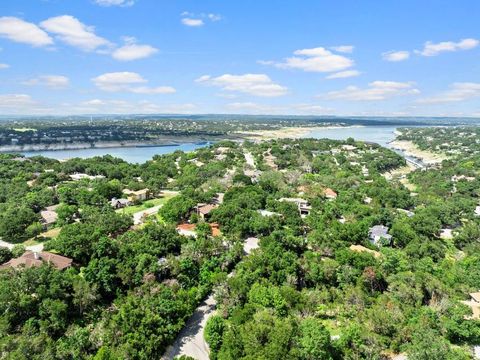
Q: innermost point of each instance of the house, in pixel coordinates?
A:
(360, 248)
(267, 213)
(119, 203)
(250, 244)
(377, 233)
(35, 259)
(136, 196)
(204, 210)
(330, 194)
(474, 305)
(218, 198)
(477, 211)
(187, 230)
(190, 229)
(49, 216)
(303, 205)
(406, 212)
(81, 176)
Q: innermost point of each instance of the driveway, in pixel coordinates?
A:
(140, 216)
(190, 340)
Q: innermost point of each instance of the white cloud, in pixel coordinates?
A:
(377, 90)
(130, 52)
(265, 109)
(123, 3)
(458, 92)
(18, 30)
(348, 49)
(14, 101)
(433, 49)
(253, 84)
(4, 66)
(316, 60)
(192, 22)
(73, 32)
(344, 74)
(51, 81)
(214, 17)
(112, 106)
(396, 56)
(197, 20)
(153, 90)
(128, 82)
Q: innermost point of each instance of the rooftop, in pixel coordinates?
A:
(35, 259)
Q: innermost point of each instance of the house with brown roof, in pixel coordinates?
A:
(330, 194)
(139, 195)
(204, 210)
(36, 259)
(190, 229)
(49, 216)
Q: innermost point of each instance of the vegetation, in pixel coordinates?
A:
(303, 294)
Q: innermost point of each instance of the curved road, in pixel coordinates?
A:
(190, 340)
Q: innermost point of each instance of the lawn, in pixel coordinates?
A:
(130, 210)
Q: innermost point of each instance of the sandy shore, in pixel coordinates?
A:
(410, 149)
(287, 132)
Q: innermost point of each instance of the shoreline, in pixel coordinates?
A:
(412, 150)
(100, 145)
(288, 132)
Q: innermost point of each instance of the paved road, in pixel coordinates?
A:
(140, 216)
(190, 341)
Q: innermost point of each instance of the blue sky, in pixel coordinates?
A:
(344, 57)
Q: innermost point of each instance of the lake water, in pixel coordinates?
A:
(130, 154)
(379, 134)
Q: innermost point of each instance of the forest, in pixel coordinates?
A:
(320, 285)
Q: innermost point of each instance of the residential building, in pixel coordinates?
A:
(330, 194)
(474, 305)
(377, 233)
(119, 203)
(35, 259)
(204, 210)
(303, 205)
(49, 216)
(136, 196)
(81, 176)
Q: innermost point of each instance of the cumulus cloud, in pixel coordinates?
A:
(316, 60)
(347, 49)
(433, 49)
(21, 31)
(396, 56)
(253, 84)
(4, 66)
(123, 3)
(197, 20)
(192, 22)
(51, 81)
(458, 92)
(15, 101)
(344, 74)
(128, 82)
(265, 109)
(377, 90)
(113, 106)
(71, 31)
(133, 51)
